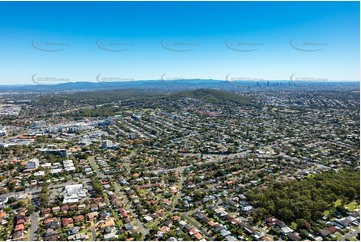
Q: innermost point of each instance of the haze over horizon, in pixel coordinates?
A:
(126, 41)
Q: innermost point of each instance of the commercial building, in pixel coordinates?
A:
(32, 164)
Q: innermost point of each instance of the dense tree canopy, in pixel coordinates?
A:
(307, 198)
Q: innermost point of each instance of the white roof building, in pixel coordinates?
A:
(68, 165)
(72, 193)
(56, 171)
(46, 165)
(148, 218)
(39, 173)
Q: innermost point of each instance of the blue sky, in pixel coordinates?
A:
(90, 41)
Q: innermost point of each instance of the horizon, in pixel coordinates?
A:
(131, 41)
(186, 80)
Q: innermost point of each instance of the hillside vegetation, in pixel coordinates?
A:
(212, 96)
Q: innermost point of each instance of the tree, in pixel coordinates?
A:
(286, 214)
(259, 214)
(11, 186)
(302, 224)
(350, 193)
(31, 209)
(44, 197)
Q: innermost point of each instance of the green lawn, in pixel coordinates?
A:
(352, 206)
(337, 203)
(143, 192)
(90, 237)
(310, 175)
(148, 225)
(293, 225)
(28, 235)
(338, 236)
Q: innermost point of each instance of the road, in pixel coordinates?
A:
(71, 110)
(34, 219)
(350, 235)
(185, 215)
(179, 169)
(178, 195)
(99, 174)
(31, 192)
(211, 159)
(142, 229)
(95, 168)
(34, 226)
(92, 229)
(205, 233)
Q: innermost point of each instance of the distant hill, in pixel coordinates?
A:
(171, 85)
(212, 96)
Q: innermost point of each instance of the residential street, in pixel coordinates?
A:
(350, 235)
(99, 174)
(34, 220)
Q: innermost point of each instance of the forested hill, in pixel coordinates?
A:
(212, 96)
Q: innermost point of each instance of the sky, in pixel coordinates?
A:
(54, 42)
